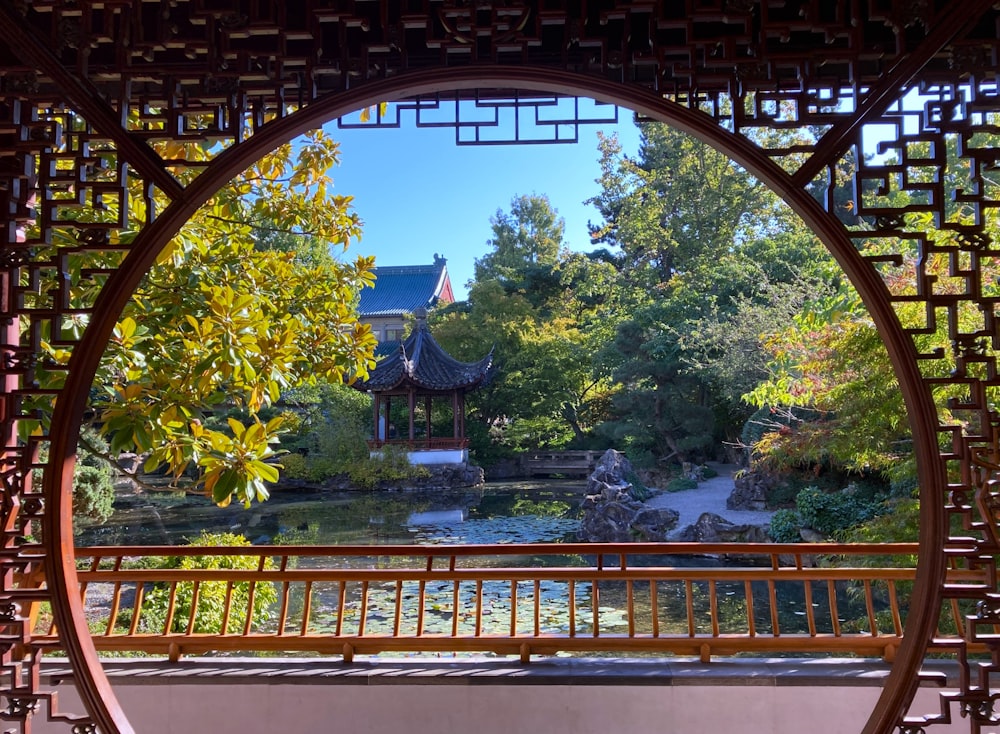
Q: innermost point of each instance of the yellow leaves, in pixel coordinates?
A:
(222, 323)
(366, 113)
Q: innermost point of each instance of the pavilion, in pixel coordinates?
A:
(420, 371)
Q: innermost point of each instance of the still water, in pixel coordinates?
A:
(516, 512)
(536, 511)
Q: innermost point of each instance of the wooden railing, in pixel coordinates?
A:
(508, 599)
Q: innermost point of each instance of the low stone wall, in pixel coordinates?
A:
(554, 696)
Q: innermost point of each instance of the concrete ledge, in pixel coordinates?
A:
(493, 696)
(550, 671)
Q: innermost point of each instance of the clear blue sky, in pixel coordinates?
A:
(420, 194)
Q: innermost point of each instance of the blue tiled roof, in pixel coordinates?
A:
(402, 289)
(420, 361)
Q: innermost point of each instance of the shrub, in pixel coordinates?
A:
(830, 512)
(211, 594)
(331, 424)
(93, 492)
(639, 490)
(681, 483)
(785, 525)
(93, 480)
(392, 464)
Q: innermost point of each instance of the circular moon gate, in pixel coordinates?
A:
(85, 122)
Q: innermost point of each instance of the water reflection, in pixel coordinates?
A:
(511, 512)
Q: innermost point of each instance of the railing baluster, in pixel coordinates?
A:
(538, 608)
(810, 613)
(630, 607)
(595, 600)
(479, 607)
(116, 597)
(195, 591)
(252, 597)
(572, 608)
(897, 621)
(689, 606)
(363, 615)
(341, 607)
(654, 608)
(713, 606)
(306, 607)
(421, 604)
(870, 607)
(285, 592)
(227, 606)
(513, 608)
(751, 622)
(136, 609)
(399, 609)
(168, 624)
(454, 609)
(772, 598)
(831, 586)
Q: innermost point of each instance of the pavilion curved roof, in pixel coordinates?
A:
(420, 361)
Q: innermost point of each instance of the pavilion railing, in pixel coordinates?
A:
(681, 598)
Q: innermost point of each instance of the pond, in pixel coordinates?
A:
(538, 511)
(516, 512)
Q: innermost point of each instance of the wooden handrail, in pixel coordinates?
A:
(508, 599)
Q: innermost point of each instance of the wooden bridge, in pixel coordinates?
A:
(570, 463)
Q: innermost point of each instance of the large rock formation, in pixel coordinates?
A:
(749, 493)
(712, 528)
(611, 514)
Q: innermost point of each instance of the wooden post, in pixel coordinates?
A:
(427, 418)
(413, 406)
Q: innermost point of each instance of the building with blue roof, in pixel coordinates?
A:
(399, 291)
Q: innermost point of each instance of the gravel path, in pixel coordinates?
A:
(709, 496)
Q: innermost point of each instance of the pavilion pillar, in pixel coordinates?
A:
(388, 415)
(461, 415)
(455, 426)
(412, 396)
(427, 419)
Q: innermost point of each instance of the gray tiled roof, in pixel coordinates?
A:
(421, 361)
(402, 289)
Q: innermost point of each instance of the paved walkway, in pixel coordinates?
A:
(709, 496)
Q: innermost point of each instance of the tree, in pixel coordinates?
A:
(545, 311)
(701, 236)
(527, 241)
(223, 323)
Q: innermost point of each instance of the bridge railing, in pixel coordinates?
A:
(576, 463)
(682, 598)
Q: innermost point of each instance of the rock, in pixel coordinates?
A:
(712, 528)
(654, 525)
(811, 536)
(610, 471)
(612, 515)
(749, 493)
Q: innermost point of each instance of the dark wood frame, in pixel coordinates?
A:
(70, 81)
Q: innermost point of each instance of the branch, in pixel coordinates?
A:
(137, 477)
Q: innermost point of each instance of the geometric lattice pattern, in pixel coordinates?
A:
(103, 103)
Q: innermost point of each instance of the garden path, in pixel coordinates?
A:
(709, 496)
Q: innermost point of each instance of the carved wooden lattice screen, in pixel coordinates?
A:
(99, 101)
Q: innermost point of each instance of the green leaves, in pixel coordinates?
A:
(225, 322)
